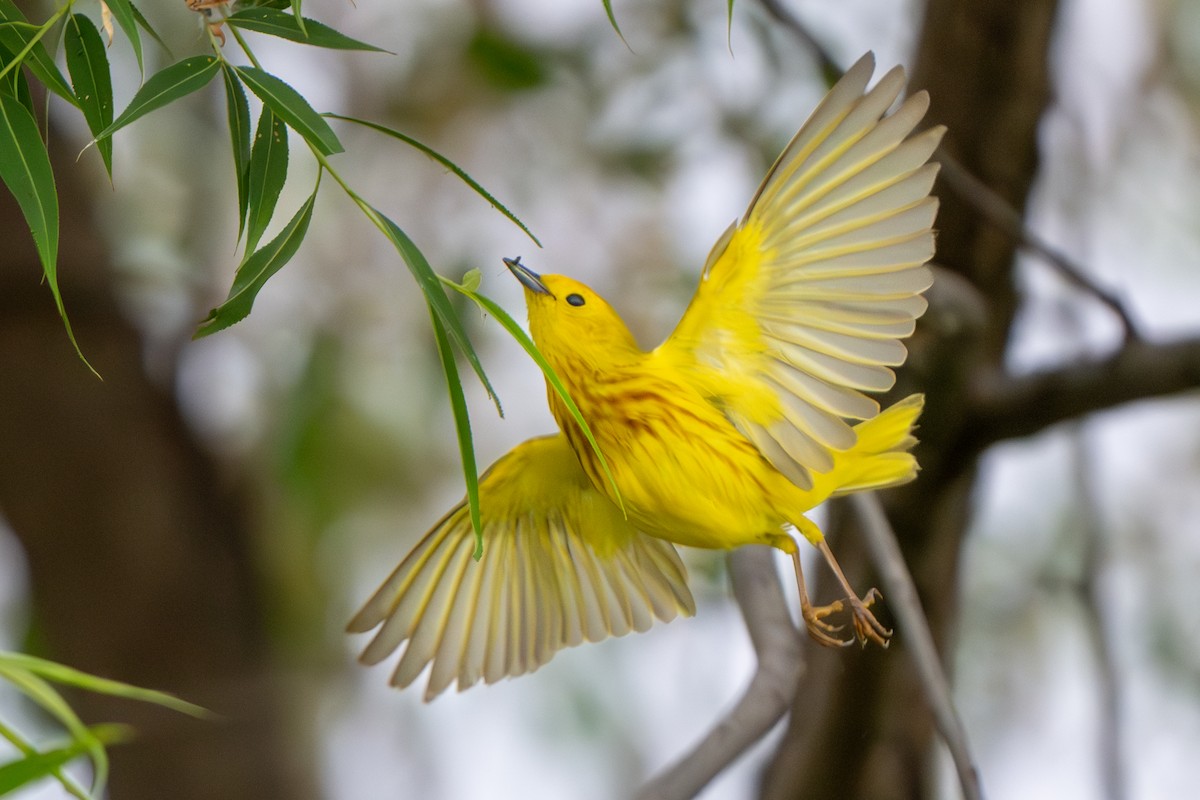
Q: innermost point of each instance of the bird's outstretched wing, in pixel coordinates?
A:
(561, 565)
(803, 303)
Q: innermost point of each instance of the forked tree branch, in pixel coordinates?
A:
(1008, 407)
(770, 693)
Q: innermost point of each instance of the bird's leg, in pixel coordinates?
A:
(865, 625)
(814, 616)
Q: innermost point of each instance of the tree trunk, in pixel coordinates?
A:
(860, 726)
(141, 564)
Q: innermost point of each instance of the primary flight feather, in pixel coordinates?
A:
(751, 413)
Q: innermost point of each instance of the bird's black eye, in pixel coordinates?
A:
(575, 299)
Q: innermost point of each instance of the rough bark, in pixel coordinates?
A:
(141, 563)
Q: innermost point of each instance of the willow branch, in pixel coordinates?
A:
(918, 639)
(1008, 407)
(770, 693)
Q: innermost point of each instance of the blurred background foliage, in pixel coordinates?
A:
(304, 450)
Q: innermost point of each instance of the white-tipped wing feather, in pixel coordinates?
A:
(560, 566)
(809, 295)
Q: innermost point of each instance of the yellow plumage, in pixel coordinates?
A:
(724, 435)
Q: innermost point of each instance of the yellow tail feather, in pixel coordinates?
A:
(880, 458)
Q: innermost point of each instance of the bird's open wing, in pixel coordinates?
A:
(803, 303)
(561, 565)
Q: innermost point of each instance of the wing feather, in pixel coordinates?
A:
(803, 303)
(561, 565)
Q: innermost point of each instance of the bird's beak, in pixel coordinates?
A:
(528, 278)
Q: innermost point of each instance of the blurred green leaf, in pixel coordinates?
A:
(238, 115)
(69, 676)
(505, 63)
(17, 37)
(445, 162)
(462, 427)
(123, 12)
(169, 84)
(612, 20)
(256, 270)
(273, 22)
(46, 763)
(471, 279)
(267, 174)
(294, 109)
(88, 65)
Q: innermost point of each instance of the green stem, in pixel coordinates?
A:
(37, 37)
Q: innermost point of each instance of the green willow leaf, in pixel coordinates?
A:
(69, 676)
(267, 173)
(43, 694)
(14, 82)
(88, 65)
(292, 107)
(25, 170)
(431, 286)
(47, 763)
(17, 36)
(169, 84)
(462, 427)
(145, 25)
(257, 269)
(273, 22)
(445, 162)
(123, 12)
(514, 329)
(238, 113)
(299, 17)
(612, 20)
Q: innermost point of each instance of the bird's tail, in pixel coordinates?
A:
(880, 458)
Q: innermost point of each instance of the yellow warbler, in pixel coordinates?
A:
(724, 435)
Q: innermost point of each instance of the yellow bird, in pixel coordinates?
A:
(724, 435)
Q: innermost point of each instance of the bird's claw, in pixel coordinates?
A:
(819, 629)
(866, 626)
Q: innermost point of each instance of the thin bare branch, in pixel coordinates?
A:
(903, 600)
(770, 693)
(1007, 407)
(1108, 741)
(996, 210)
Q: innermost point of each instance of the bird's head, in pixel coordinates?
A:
(568, 318)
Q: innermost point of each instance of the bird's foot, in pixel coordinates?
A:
(820, 630)
(866, 627)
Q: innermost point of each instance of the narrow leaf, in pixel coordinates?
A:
(462, 426)
(274, 22)
(25, 170)
(514, 329)
(124, 12)
(238, 114)
(14, 83)
(44, 695)
(69, 676)
(254, 272)
(445, 162)
(44, 764)
(145, 25)
(299, 16)
(294, 109)
(612, 20)
(169, 84)
(17, 37)
(266, 176)
(431, 286)
(88, 66)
